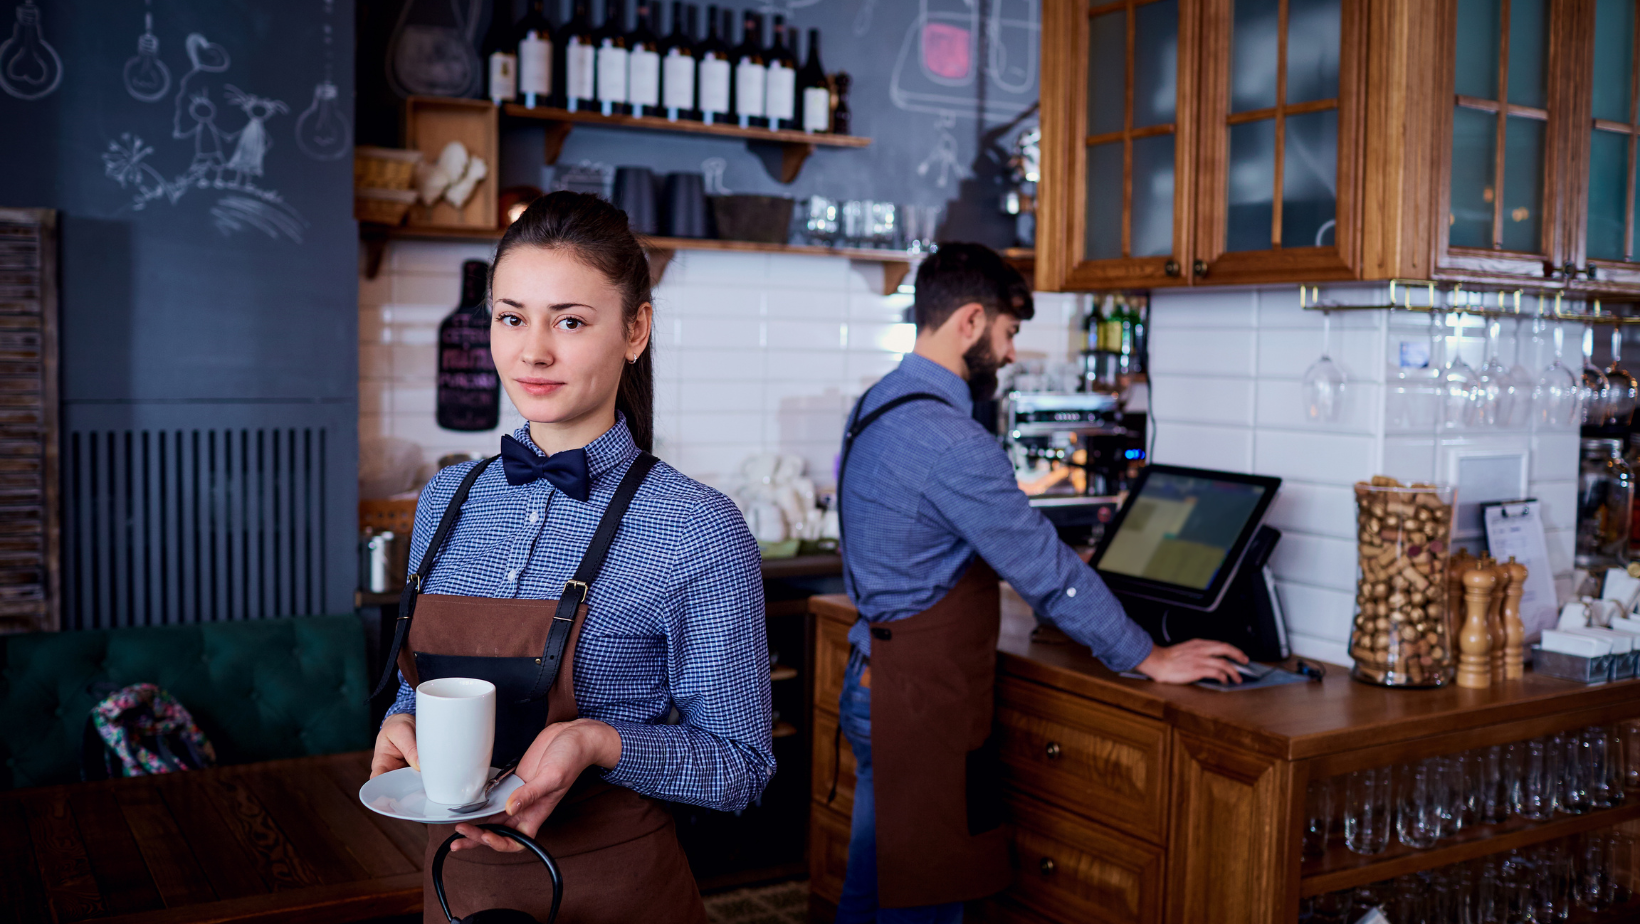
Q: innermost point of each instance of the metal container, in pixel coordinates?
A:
(1605, 501)
(383, 559)
(1576, 667)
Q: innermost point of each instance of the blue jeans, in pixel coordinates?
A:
(859, 902)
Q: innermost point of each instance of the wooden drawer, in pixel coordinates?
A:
(1095, 760)
(830, 661)
(828, 852)
(1069, 870)
(825, 736)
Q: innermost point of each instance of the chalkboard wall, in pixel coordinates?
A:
(199, 152)
(940, 113)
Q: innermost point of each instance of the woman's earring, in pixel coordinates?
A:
(631, 359)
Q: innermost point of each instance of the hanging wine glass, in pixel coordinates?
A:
(1324, 381)
(1594, 390)
(1459, 391)
(1521, 382)
(1556, 393)
(1625, 388)
(1496, 390)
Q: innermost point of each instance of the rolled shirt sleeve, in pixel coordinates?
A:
(973, 490)
(721, 753)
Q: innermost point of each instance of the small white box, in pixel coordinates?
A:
(1572, 642)
(1621, 642)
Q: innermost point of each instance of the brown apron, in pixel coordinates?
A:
(617, 850)
(936, 768)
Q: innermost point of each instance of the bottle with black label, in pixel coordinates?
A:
(815, 89)
(469, 391)
(612, 59)
(643, 81)
(780, 96)
(716, 74)
(751, 73)
(842, 118)
(580, 58)
(534, 36)
(678, 64)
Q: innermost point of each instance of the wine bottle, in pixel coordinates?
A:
(534, 36)
(612, 60)
(842, 118)
(580, 61)
(643, 82)
(751, 73)
(500, 54)
(678, 64)
(816, 98)
(715, 71)
(469, 391)
(780, 97)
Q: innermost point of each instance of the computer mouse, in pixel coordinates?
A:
(1252, 671)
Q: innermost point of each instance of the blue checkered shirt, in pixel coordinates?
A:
(927, 489)
(675, 618)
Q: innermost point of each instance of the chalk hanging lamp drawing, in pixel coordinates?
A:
(322, 130)
(147, 78)
(29, 67)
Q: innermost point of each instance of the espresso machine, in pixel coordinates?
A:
(1073, 453)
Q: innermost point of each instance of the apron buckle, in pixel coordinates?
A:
(570, 585)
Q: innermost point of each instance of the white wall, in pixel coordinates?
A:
(754, 352)
(1226, 372)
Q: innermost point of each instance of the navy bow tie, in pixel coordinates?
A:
(566, 471)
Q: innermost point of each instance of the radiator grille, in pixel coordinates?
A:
(193, 525)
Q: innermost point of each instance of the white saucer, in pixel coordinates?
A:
(398, 794)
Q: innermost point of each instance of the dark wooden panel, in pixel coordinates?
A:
(229, 863)
(349, 772)
(828, 852)
(332, 904)
(293, 814)
(1230, 852)
(277, 859)
(344, 818)
(64, 866)
(22, 899)
(830, 657)
(176, 874)
(117, 864)
(28, 380)
(831, 754)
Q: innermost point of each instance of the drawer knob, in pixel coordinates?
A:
(1054, 750)
(1047, 866)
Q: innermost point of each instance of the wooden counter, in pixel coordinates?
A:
(1135, 801)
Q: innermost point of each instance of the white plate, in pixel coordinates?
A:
(398, 794)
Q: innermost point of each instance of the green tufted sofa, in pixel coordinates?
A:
(260, 689)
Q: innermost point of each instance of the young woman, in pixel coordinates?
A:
(577, 548)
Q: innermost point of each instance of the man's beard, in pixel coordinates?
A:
(982, 370)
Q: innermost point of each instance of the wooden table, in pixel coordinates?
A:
(278, 841)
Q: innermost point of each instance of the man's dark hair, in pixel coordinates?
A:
(958, 274)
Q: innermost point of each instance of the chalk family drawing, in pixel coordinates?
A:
(29, 67)
(229, 161)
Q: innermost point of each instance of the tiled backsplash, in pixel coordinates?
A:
(753, 352)
(1226, 373)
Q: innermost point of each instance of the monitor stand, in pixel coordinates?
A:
(1249, 615)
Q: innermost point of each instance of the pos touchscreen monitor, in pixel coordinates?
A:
(1181, 533)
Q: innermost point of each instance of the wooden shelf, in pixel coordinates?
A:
(794, 147)
(784, 730)
(1342, 869)
(782, 672)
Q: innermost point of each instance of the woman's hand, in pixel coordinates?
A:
(395, 745)
(551, 765)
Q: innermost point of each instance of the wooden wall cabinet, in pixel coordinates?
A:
(1317, 140)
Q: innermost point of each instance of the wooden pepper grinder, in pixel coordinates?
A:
(1474, 662)
(1457, 566)
(1514, 631)
(1494, 617)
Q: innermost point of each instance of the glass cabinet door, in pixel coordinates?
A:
(1128, 150)
(1279, 87)
(1500, 190)
(1609, 88)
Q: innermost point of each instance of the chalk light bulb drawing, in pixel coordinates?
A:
(322, 131)
(29, 66)
(146, 76)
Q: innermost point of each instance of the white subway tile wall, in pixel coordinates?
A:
(1227, 367)
(754, 352)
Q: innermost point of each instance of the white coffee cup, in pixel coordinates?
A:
(455, 735)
